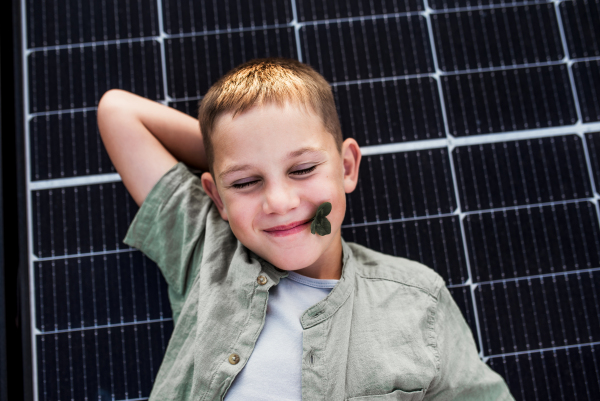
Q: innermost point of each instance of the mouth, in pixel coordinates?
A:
(288, 229)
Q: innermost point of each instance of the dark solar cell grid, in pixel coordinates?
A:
(73, 220)
(122, 287)
(189, 107)
(202, 16)
(508, 100)
(587, 81)
(67, 145)
(497, 37)
(397, 110)
(559, 374)
(60, 22)
(195, 63)
(530, 241)
(593, 142)
(464, 299)
(434, 242)
(521, 172)
(409, 184)
(581, 19)
(311, 10)
(528, 314)
(368, 48)
(114, 363)
(533, 269)
(449, 4)
(78, 77)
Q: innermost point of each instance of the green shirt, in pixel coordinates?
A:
(389, 330)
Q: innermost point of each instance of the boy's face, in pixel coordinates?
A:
(273, 167)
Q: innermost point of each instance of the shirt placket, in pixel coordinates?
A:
(238, 354)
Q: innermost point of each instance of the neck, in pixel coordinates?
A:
(329, 264)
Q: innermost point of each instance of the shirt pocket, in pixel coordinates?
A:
(398, 395)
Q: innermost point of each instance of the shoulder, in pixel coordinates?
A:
(373, 265)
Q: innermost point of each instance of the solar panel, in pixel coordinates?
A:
(479, 123)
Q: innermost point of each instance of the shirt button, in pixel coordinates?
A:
(234, 359)
(262, 280)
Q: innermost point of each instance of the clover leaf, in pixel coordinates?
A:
(320, 224)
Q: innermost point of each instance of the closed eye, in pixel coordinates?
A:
(297, 172)
(305, 171)
(243, 185)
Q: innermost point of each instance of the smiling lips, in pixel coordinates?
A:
(288, 229)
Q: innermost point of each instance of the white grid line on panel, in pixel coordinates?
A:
(403, 147)
(529, 206)
(427, 15)
(32, 311)
(75, 181)
(97, 43)
(296, 26)
(401, 220)
(539, 276)
(104, 326)
(478, 7)
(83, 255)
(163, 58)
(450, 142)
(539, 350)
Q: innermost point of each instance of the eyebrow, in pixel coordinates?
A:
(290, 155)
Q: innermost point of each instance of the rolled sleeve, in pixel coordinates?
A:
(169, 227)
(462, 375)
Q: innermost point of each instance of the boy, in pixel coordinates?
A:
(262, 308)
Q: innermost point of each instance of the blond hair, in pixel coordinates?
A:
(268, 80)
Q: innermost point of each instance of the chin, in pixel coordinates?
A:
(294, 259)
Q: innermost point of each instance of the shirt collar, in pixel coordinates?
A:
(339, 294)
(326, 308)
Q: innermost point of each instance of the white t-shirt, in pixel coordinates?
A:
(274, 370)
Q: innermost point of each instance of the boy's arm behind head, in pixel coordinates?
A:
(144, 139)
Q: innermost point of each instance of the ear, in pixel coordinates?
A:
(351, 161)
(210, 187)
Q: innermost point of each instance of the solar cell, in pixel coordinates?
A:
(395, 110)
(311, 10)
(196, 62)
(107, 363)
(593, 144)
(203, 16)
(56, 22)
(557, 374)
(530, 241)
(102, 290)
(587, 80)
(368, 48)
(435, 242)
(497, 37)
(539, 313)
(424, 179)
(77, 77)
(581, 20)
(509, 100)
(74, 220)
(521, 172)
(451, 4)
(67, 145)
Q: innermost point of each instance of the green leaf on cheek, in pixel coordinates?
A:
(320, 225)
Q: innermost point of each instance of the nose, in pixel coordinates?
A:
(279, 199)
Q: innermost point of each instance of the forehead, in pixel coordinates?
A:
(267, 134)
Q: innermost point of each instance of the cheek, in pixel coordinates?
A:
(240, 215)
